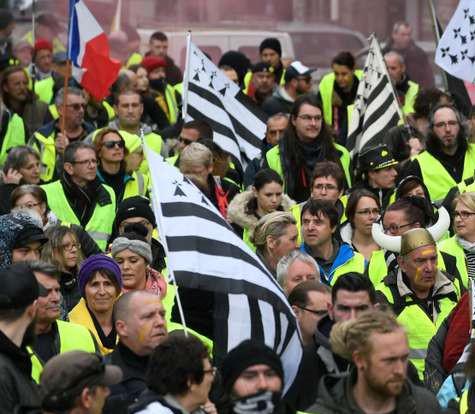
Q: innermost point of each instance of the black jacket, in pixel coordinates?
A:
(335, 397)
(132, 385)
(18, 392)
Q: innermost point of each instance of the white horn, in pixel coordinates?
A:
(438, 229)
(391, 243)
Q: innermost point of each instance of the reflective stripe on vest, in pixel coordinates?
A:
(436, 178)
(326, 92)
(99, 226)
(14, 136)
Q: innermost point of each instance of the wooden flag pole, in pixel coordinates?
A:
(62, 125)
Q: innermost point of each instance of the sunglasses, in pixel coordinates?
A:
(112, 144)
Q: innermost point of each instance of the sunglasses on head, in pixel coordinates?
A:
(112, 144)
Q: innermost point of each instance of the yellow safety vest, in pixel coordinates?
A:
(46, 147)
(72, 337)
(436, 178)
(410, 98)
(463, 405)
(273, 160)
(452, 247)
(138, 185)
(14, 136)
(134, 59)
(44, 89)
(172, 104)
(99, 226)
(326, 92)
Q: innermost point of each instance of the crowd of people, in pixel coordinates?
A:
(375, 253)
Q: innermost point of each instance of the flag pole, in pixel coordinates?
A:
(161, 232)
(33, 66)
(435, 26)
(68, 70)
(186, 76)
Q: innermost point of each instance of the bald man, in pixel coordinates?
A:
(139, 319)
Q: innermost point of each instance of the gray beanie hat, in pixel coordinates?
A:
(137, 246)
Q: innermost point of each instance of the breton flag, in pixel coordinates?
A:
(204, 253)
(88, 50)
(376, 109)
(456, 49)
(238, 125)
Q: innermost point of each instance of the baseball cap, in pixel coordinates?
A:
(376, 158)
(65, 375)
(297, 68)
(19, 287)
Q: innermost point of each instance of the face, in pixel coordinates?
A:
(402, 37)
(325, 188)
(231, 75)
(157, 73)
(84, 167)
(384, 368)
(31, 202)
(28, 253)
(129, 110)
(263, 82)
(383, 178)
(315, 309)
(159, 47)
(134, 269)
(68, 254)
(44, 60)
(98, 399)
(24, 54)
(48, 306)
(396, 69)
(417, 192)
(31, 170)
(285, 243)
(142, 80)
(304, 84)
(316, 230)
(420, 266)
(75, 107)
(200, 391)
(145, 325)
(100, 293)
(396, 223)
(134, 159)
(299, 272)
(187, 136)
(17, 86)
(367, 212)
(114, 154)
(464, 221)
(269, 197)
(197, 172)
(270, 56)
(275, 129)
(134, 220)
(255, 379)
(308, 123)
(348, 305)
(343, 76)
(446, 128)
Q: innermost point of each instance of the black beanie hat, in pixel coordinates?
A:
(271, 43)
(246, 354)
(136, 206)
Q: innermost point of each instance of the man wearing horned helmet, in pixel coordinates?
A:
(420, 294)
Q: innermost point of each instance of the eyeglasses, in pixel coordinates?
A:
(446, 124)
(112, 144)
(185, 141)
(369, 212)
(76, 106)
(211, 371)
(69, 246)
(327, 187)
(308, 118)
(464, 215)
(317, 312)
(30, 205)
(84, 162)
(395, 228)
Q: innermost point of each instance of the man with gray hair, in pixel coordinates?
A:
(405, 88)
(294, 268)
(51, 140)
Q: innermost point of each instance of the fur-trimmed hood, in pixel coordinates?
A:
(237, 209)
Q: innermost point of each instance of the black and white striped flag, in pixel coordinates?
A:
(204, 253)
(376, 109)
(238, 125)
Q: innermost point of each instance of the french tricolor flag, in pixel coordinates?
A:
(88, 50)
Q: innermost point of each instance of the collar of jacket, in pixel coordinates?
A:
(126, 177)
(95, 191)
(146, 129)
(19, 356)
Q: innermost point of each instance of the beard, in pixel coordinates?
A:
(389, 389)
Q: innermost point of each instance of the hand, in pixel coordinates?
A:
(12, 177)
(61, 142)
(209, 408)
(416, 146)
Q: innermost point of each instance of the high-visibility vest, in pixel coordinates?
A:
(419, 328)
(99, 225)
(463, 405)
(452, 247)
(72, 337)
(44, 89)
(436, 178)
(273, 160)
(173, 160)
(138, 185)
(57, 44)
(410, 98)
(172, 104)
(46, 147)
(326, 92)
(134, 59)
(14, 136)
